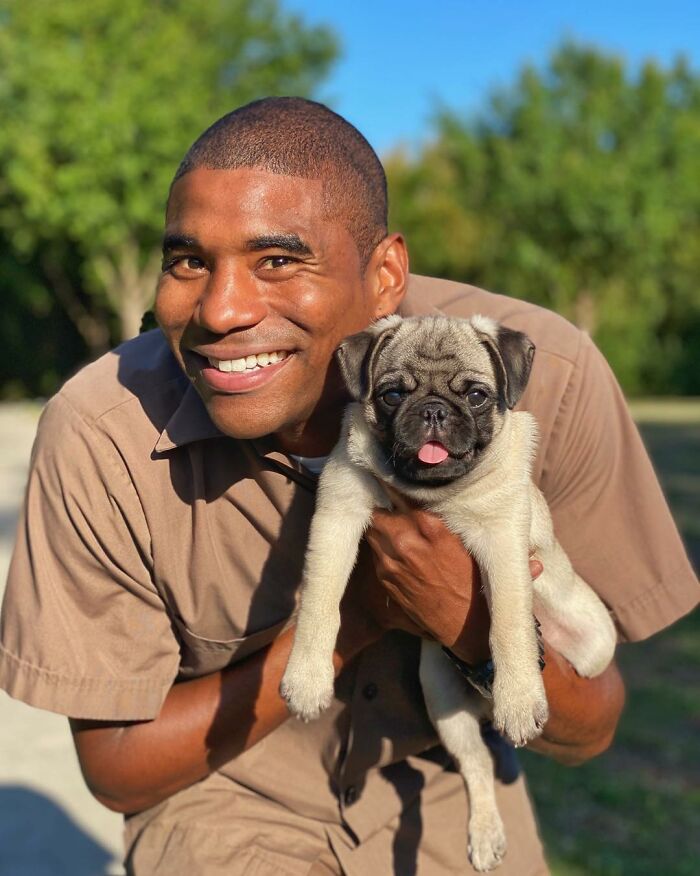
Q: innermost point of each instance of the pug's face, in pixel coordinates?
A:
(435, 389)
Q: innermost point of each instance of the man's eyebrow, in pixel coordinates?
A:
(179, 241)
(288, 242)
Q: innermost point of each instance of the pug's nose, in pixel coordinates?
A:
(435, 413)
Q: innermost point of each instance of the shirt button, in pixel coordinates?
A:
(370, 691)
(350, 795)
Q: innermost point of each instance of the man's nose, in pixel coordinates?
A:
(231, 300)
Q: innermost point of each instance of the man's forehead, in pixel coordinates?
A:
(249, 202)
(248, 188)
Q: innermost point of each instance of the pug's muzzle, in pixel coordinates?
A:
(430, 440)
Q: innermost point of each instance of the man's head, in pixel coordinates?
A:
(275, 243)
(291, 136)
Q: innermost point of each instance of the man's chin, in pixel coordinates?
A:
(237, 418)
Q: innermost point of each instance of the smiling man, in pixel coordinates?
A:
(260, 263)
(152, 587)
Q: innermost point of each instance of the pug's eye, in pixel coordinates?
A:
(477, 398)
(393, 397)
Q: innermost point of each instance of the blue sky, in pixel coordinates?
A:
(402, 60)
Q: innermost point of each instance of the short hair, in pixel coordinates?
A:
(299, 137)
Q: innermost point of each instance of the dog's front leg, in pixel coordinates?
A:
(345, 502)
(519, 701)
(455, 710)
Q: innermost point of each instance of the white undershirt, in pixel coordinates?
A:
(313, 464)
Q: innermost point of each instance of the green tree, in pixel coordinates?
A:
(578, 188)
(100, 102)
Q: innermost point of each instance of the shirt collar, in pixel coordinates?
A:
(189, 422)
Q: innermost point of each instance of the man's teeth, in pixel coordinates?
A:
(249, 363)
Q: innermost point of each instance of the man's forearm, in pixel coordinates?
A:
(583, 712)
(203, 724)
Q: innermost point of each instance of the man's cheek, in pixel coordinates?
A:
(173, 307)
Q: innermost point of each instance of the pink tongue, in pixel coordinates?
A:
(433, 452)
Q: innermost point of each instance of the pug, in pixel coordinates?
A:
(432, 416)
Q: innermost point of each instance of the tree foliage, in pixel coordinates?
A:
(578, 188)
(100, 102)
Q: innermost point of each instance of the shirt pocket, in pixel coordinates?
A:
(200, 655)
(166, 850)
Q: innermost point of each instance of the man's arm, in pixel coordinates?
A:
(203, 724)
(583, 712)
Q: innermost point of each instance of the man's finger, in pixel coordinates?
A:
(379, 539)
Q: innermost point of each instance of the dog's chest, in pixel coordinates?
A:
(477, 515)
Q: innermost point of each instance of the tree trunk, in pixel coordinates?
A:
(94, 331)
(586, 312)
(129, 285)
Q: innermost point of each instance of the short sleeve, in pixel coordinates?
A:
(83, 630)
(608, 509)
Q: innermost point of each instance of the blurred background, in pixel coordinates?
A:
(548, 150)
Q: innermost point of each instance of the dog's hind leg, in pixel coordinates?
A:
(575, 622)
(344, 508)
(455, 709)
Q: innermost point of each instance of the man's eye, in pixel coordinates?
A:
(476, 398)
(183, 263)
(193, 264)
(278, 261)
(393, 397)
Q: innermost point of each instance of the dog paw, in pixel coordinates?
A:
(308, 692)
(487, 842)
(519, 714)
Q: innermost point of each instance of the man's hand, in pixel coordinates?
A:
(424, 571)
(428, 583)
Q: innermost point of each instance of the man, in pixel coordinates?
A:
(162, 541)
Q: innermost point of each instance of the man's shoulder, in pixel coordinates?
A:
(138, 379)
(550, 332)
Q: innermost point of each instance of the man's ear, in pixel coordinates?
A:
(358, 353)
(387, 270)
(511, 352)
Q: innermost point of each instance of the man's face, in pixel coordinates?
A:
(258, 288)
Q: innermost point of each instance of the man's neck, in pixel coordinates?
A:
(317, 435)
(309, 441)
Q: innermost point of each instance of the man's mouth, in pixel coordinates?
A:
(249, 363)
(242, 374)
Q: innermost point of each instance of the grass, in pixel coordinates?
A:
(635, 810)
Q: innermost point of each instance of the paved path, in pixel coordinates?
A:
(49, 823)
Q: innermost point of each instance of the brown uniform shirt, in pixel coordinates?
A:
(153, 549)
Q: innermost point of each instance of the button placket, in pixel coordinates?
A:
(364, 692)
(370, 691)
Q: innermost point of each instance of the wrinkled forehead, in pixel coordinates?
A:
(437, 347)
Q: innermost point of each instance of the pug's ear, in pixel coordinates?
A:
(357, 355)
(511, 352)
